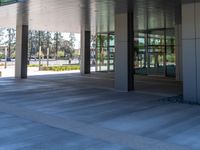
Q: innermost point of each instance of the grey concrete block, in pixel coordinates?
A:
(188, 21)
(189, 71)
(197, 20)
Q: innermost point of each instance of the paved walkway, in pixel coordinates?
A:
(32, 71)
(74, 112)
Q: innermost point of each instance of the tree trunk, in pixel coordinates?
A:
(56, 45)
(9, 43)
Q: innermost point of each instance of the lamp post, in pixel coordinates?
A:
(47, 57)
(6, 53)
(40, 53)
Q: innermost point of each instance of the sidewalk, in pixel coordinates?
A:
(32, 71)
(82, 106)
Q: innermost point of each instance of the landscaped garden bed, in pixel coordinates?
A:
(60, 68)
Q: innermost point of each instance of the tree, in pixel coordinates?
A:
(1, 35)
(30, 44)
(68, 46)
(37, 39)
(102, 42)
(93, 40)
(1, 42)
(45, 41)
(72, 39)
(33, 42)
(57, 43)
(71, 45)
(11, 41)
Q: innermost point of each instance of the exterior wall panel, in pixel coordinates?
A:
(179, 64)
(124, 80)
(198, 68)
(121, 74)
(188, 21)
(189, 71)
(191, 51)
(121, 27)
(121, 53)
(197, 20)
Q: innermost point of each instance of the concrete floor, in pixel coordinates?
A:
(75, 112)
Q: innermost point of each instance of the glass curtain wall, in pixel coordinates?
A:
(5, 2)
(105, 50)
(154, 43)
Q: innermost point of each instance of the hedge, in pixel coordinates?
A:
(61, 68)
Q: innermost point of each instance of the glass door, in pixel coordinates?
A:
(102, 53)
(156, 64)
(105, 50)
(111, 53)
(170, 53)
(140, 48)
(156, 52)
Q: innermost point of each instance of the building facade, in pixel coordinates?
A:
(157, 37)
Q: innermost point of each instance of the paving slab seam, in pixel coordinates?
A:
(68, 124)
(154, 93)
(112, 89)
(85, 86)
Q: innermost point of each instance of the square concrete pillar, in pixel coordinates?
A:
(21, 58)
(179, 57)
(85, 52)
(197, 9)
(197, 13)
(188, 21)
(178, 48)
(191, 51)
(198, 68)
(124, 50)
(189, 71)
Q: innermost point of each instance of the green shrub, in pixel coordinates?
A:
(35, 65)
(2, 56)
(61, 68)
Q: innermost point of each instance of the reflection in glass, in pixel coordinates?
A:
(155, 52)
(5, 2)
(154, 41)
(105, 52)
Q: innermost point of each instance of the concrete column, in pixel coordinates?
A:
(191, 51)
(124, 55)
(197, 13)
(179, 64)
(21, 59)
(178, 48)
(85, 52)
(21, 43)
